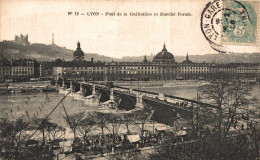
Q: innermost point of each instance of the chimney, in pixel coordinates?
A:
(92, 59)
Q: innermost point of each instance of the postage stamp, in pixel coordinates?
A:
(230, 25)
(239, 22)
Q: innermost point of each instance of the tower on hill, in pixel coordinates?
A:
(52, 39)
(23, 40)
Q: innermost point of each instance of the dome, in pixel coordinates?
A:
(78, 54)
(164, 56)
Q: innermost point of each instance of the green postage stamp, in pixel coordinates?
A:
(232, 25)
(239, 22)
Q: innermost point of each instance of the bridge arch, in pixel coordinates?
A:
(125, 101)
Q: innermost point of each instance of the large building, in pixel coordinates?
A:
(163, 67)
(18, 70)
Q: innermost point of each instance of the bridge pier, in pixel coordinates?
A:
(86, 90)
(71, 89)
(63, 83)
(139, 100)
(79, 95)
(109, 103)
(93, 89)
(92, 99)
(66, 91)
(56, 83)
(111, 94)
(62, 88)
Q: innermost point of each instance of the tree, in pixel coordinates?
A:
(229, 97)
(12, 133)
(74, 121)
(100, 120)
(85, 127)
(141, 117)
(40, 124)
(236, 147)
(127, 119)
(114, 124)
(54, 131)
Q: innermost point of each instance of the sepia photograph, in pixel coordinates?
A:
(129, 80)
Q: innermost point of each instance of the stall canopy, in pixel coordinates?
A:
(133, 138)
(161, 128)
(181, 133)
(66, 145)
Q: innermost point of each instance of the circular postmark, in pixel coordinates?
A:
(229, 22)
(211, 19)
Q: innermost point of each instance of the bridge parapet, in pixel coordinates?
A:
(140, 93)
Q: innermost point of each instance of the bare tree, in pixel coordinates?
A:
(40, 124)
(114, 121)
(141, 117)
(234, 147)
(127, 119)
(85, 127)
(12, 133)
(74, 121)
(100, 120)
(229, 96)
(54, 130)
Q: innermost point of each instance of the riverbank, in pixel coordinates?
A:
(26, 87)
(148, 84)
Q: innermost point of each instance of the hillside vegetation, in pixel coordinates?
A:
(43, 52)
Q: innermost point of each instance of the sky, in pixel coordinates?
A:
(114, 36)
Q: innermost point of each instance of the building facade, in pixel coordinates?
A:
(18, 70)
(162, 68)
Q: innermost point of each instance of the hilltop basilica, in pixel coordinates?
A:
(23, 40)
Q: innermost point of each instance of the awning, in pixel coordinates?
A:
(161, 128)
(133, 138)
(181, 133)
(66, 145)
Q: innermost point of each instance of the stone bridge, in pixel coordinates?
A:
(166, 107)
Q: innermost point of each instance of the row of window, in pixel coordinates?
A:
(22, 72)
(83, 72)
(83, 68)
(22, 69)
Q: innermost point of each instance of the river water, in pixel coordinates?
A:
(41, 104)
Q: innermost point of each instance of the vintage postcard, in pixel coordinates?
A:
(124, 79)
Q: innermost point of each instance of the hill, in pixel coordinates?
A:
(43, 52)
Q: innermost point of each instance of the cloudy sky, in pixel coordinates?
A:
(114, 36)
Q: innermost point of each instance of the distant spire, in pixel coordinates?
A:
(52, 39)
(145, 59)
(78, 45)
(187, 57)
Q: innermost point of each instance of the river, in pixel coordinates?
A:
(41, 104)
